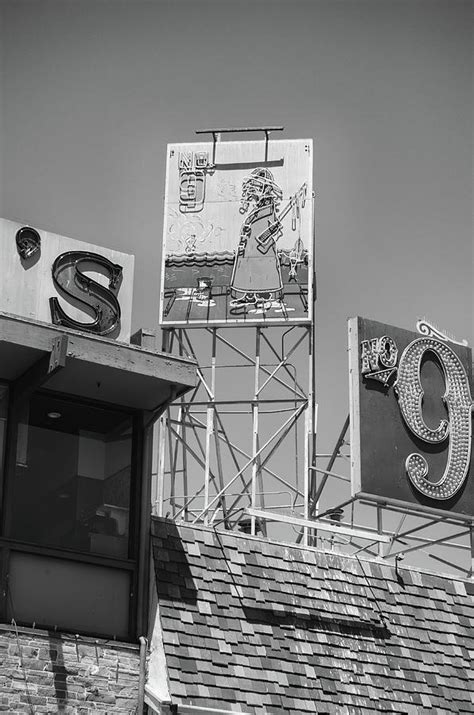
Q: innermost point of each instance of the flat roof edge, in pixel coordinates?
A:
(95, 367)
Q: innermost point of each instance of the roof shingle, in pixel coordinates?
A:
(263, 628)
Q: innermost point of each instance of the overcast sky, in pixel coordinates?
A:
(93, 91)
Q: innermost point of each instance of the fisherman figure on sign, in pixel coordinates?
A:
(256, 275)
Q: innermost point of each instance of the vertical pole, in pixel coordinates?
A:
(210, 428)
(165, 340)
(220, 472)
(255, 428)
(260, 486)
(217, 444)
(184, 417)
(308, 535)
(310, 484)
(380, 529)
(173, 454)
(155, 476)
(313, 486)
(472, 551)
(160, 487)
(215, 428)
(160, 432)
(184, 461)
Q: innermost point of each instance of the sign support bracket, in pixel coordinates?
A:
(39, 373)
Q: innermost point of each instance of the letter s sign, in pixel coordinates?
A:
(85, 293)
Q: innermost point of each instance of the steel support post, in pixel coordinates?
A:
(210, 429)
(380, 528)
(160, 487)
(255, 466)
(471, 538)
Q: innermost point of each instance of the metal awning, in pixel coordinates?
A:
(90, 366)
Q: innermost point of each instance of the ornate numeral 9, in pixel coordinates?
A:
(458, 429)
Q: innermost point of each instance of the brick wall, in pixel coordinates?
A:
(46, 672)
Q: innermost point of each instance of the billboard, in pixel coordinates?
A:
(411, 416)
(56, 279)
(238, 233)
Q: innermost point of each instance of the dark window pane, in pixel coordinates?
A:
(3, 424)
(71, 485)
(67, 594)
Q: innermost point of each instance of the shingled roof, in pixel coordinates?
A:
(251, 626)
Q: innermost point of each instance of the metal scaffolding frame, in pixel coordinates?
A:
(390, 541)
(231, 500)
(214, 473)
(229, 452)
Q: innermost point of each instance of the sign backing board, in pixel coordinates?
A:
(26, 284)
(411, 418)
(238, 233)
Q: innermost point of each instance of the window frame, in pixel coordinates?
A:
(3, 452)
(137, 513)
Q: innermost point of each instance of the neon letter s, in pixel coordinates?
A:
(84, 292)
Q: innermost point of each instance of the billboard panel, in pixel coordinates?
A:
(238, 233)
(411, 417)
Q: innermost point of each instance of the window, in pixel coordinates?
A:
(69, 514)
(71, 482)
(93, 599)
(3, 426)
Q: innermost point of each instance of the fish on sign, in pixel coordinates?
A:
(411, 416)
(238, 233)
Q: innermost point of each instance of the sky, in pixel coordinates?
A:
(92, 91)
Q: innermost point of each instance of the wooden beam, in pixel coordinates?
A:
(100, 350)
(42, 370)
(97, 368)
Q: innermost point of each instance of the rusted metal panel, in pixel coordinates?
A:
(238, 233)
(411, 417)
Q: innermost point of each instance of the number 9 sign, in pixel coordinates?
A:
(405, 446)
(458, 429)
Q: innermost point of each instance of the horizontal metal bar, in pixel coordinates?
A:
(242, 452)
(404, 507)
(419, 527)
(250, 401)
(292, 389)
(251, 460)
(228, 130)
(282, 363)
(428, 542)
(333, 527)
(239, 365)
(331, 474)
(424, 545)
(237, 494)
(244, 412)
